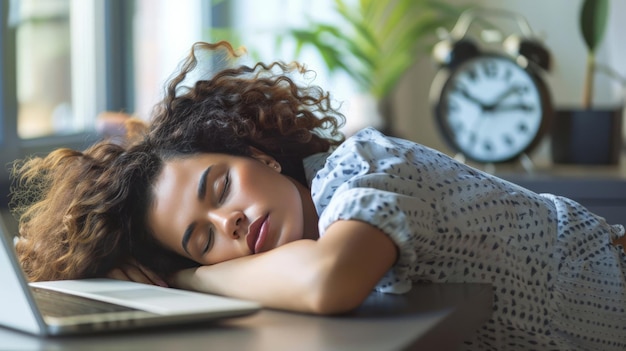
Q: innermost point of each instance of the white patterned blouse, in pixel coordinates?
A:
(559, 282)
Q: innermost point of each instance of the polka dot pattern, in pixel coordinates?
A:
(559, 283)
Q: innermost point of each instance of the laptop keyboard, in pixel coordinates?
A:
(57, 304)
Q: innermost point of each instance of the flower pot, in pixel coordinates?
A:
(588, 137)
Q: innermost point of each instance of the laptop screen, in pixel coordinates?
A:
(16, 302)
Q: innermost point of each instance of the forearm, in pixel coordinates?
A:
(282, 278)
(331, 275)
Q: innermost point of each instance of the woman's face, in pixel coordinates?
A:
(214, 207)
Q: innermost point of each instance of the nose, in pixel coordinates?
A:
(228, 222)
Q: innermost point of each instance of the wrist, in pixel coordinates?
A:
(184, 279)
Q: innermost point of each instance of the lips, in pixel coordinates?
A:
(256, 234)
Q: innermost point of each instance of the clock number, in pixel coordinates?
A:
(488, 146)
(490, 68)
(508, 140)
(523, 89)
(522, 127)
(473, 138)
(472, 74)
(459, 87)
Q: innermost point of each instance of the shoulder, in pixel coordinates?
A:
(370, 143)
(362, 173)
(370, 138)
(370, 152)
(366, 146)
(356, 156)
(321, 165)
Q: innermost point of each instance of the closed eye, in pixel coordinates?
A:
(225, 188)
(209, 241)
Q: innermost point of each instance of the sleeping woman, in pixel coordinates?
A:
(242, 185)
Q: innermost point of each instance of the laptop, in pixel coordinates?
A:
(96, 305)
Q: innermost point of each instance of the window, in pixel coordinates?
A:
(257, 23)
(166, 29)
(44, 56)
(58, 72)
(60, 85)
(66, 61)
(164, 33)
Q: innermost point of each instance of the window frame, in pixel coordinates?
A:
(114, 48)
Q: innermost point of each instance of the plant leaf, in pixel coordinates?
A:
(593, 19)
(376, 41)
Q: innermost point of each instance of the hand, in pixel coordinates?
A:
(135, 272)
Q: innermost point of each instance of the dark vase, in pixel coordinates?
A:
(385, 108)
(587, 137)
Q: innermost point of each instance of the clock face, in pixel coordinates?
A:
(491, 109)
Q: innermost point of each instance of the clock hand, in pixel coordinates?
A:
(472, 98)
(515, 89)
(477, 125)
(497, 101)
(511, 90)
(522, 107)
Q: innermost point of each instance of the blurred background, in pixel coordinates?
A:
(65, 62)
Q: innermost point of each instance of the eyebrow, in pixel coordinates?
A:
(202, 182)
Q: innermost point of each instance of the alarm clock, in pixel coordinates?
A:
(494, 106)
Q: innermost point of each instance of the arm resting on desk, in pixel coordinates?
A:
(331, 275)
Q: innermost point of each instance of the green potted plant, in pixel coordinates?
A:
(589, 134)
(376, 41)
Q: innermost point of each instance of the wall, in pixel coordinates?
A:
(556, 21)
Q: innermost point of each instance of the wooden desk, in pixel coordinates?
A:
(430, 317)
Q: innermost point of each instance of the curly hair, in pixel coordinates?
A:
(69, 204)
(259, 106)
(82, 214)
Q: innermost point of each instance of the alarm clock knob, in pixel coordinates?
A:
(531, 49)
(452, 52)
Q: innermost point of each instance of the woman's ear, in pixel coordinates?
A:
(266, 159)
